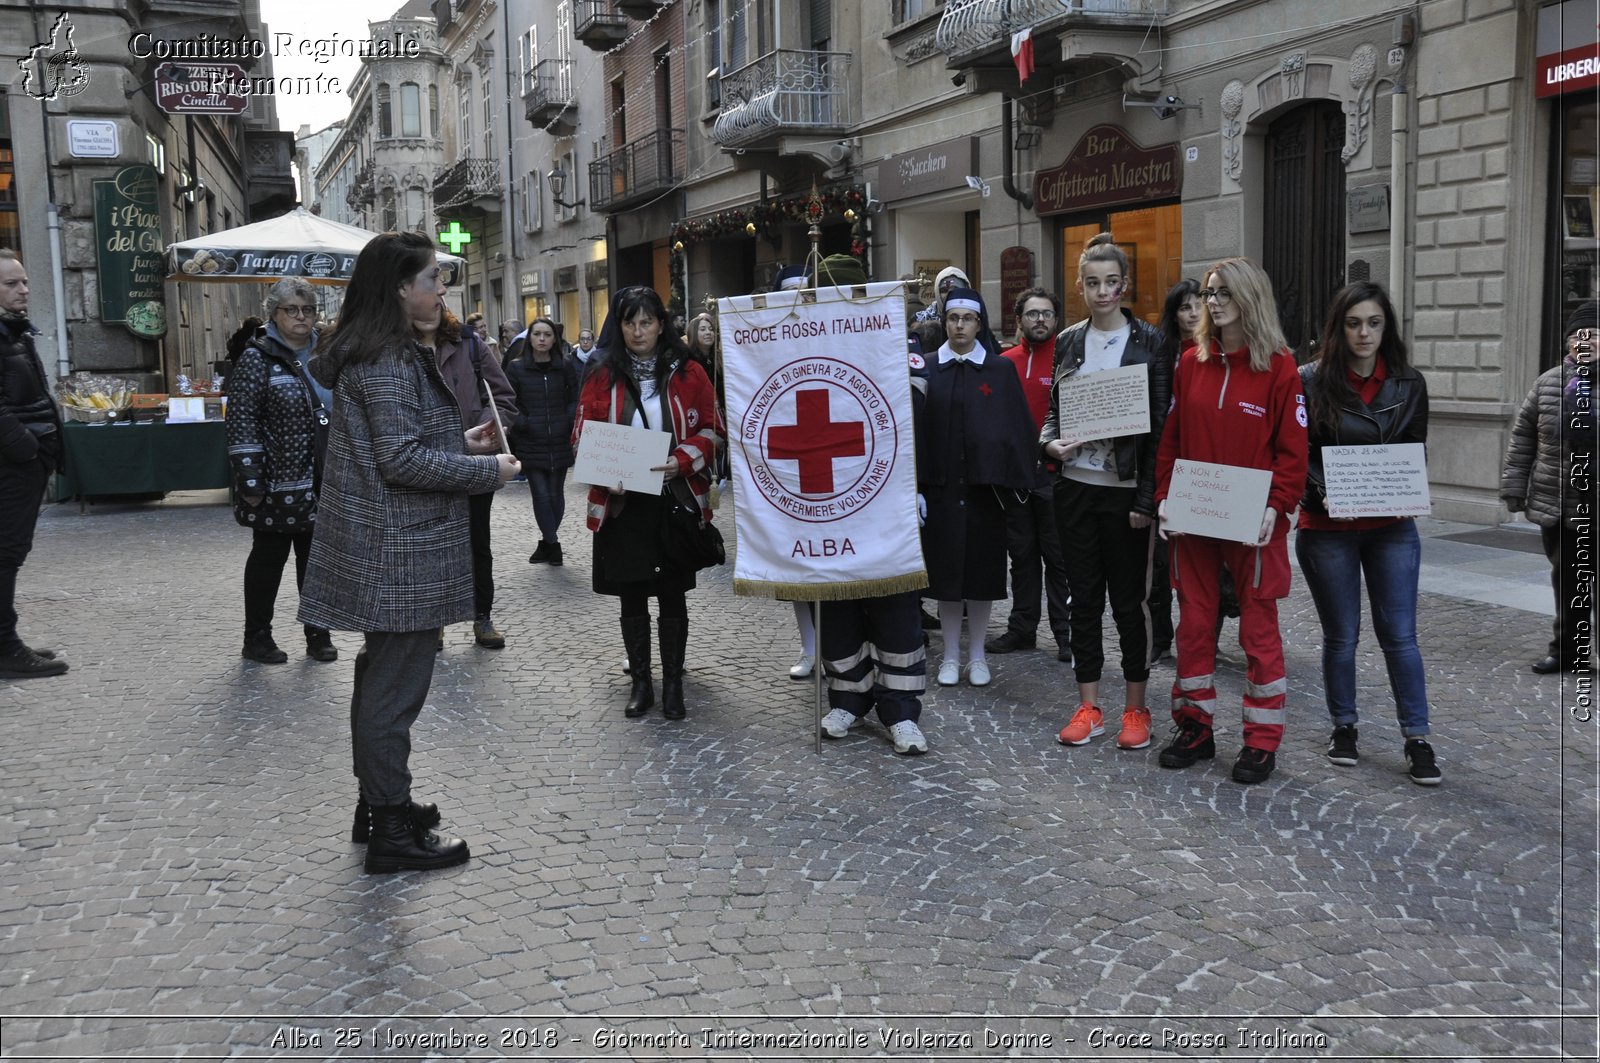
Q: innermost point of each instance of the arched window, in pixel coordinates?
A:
(385, 119)
(416, 211)
(410, 110)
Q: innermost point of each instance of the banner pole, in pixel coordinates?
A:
(816, 673)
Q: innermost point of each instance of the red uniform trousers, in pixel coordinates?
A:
(1262, 577)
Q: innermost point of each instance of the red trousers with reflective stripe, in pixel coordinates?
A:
(1196, 567)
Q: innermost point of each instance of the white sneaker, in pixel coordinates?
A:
(949, 673)
(908, 738)
(802, 668)
(978, 673)
(838, 722)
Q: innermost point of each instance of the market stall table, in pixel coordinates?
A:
(146, 457)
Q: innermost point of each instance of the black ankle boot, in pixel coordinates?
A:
(258, 646)
(426, 816)
(674, 638)
(541, 553)
(319, 645)
(554, 555)
(398, 843)
(636, 637)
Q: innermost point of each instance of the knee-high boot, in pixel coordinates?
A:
(674, 632)
(636, 637)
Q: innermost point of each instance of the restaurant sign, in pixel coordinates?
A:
(1107, 168)
(127, 239)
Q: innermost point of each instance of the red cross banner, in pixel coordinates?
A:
(821, 444)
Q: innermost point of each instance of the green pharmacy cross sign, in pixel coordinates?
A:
(456, 237)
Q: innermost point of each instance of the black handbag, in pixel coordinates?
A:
(688, 543)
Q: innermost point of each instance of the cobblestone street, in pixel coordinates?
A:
(178, 879)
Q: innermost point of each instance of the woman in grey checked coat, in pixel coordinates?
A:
(391, 556)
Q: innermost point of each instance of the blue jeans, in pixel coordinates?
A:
(548, 488)
(1333, 563)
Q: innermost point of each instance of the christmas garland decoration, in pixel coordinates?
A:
(847, 204)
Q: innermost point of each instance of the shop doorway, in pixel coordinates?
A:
(1303, 218)
(1152, 237)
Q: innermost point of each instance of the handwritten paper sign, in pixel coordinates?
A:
(611, 454)
(1104, 405)
(185, 410)
(1377, 480)
(1217, 501)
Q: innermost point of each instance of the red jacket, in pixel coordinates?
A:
(697, 430)
(1225, 413)
(1035, 363)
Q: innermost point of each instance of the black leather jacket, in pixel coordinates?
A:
(1135, 455)
(30, 425)
(1398, 414)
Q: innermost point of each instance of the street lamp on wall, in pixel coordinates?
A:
(558, 185)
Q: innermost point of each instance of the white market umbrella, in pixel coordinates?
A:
(298, 244)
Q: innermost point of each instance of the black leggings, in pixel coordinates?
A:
(674, 605)
(263, 571)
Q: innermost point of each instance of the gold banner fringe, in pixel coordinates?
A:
(831, 592)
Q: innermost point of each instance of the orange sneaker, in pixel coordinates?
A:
(1135, 728)
(1084, 725)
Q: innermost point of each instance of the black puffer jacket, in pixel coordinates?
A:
(30, 424)
(272, 439)
(1135, 455)
(547, 402)
(1398, 414)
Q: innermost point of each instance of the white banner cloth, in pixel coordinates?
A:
(821, 444)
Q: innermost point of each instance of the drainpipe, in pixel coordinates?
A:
(1008, 157)
(1399, 149)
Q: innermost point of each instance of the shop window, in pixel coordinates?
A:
(1152, 238)
(1574, 273)
(10, 226)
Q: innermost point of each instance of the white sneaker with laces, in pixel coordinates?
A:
(908, 738)
(949, 673)
(978, 673)
(802, 668)
(838, 722)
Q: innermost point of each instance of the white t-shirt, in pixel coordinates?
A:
(647, 398)
(1095, 462)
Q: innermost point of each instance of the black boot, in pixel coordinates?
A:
(258, 646)
(319, 645)
(674, 638)
(398, 843)
(541, 553)
(426, 816)
(636, 637)
(554, 556)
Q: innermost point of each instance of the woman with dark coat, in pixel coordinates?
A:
(976, 457)
(392, 557)
(1361, 390)
(546, 386)
(277, 416)
(645, 378)
(1549, 476)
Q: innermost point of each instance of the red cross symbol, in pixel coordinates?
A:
(986, 389)
(815, 439)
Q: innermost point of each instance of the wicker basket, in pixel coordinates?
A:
(73, 413)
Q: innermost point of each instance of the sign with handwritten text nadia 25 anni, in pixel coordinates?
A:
(1377, 480)
(127, 237)
(1217, 501)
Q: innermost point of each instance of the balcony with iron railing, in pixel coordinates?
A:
(785, 91)
(363, 189)
(547, 97)
(598, 24)
(972, 32)
(471, 184)
(638, 170)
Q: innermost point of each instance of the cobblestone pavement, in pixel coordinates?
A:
(178, 880)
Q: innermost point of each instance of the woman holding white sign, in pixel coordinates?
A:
(646, 378)
(1105, 496)
(1361, 390)
(1236, 402)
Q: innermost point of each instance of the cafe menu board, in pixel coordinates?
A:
(1376, 480)
(127, 232)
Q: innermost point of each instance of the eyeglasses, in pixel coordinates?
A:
(1222, 296)
(961, 319)
(1038, 315)
(298, 311)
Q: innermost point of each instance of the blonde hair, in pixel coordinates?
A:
(1258, 312)
(1101, 247)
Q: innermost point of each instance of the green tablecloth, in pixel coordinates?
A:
(145, 458)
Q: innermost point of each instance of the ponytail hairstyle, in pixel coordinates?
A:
(1331, 391)
(1102, 247)
(1258, 312)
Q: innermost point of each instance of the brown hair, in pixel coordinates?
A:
(1101, 247)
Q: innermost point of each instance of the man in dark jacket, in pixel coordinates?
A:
(30, 451)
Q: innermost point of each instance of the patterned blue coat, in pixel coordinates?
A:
(392, 551)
